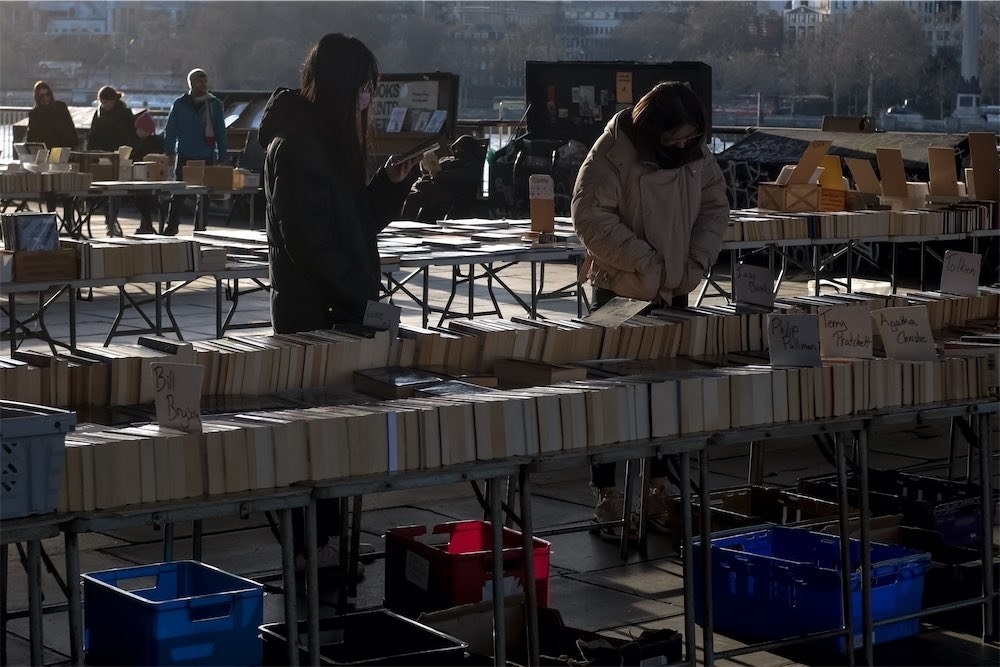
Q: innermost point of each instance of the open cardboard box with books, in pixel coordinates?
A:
(814, 184)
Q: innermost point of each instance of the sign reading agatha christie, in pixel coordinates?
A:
(418, 98)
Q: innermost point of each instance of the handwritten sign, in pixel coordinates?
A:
(382, 316)
(845, 331)
(615, 312)
(177, 395)
(906, 333)
(753, 285)
(960, 273)
(793, 340)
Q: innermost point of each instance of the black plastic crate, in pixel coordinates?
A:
(950, 508)
(378, 637)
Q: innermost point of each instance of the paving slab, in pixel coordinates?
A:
(590, 607)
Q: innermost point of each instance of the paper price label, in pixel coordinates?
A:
(960, 273)
(382, 316)
(177, 395)
(540, 186)
(753, 285)
(793, 340)
(846, 331)
(906, 333)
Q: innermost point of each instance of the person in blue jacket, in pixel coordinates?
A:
(196, 130)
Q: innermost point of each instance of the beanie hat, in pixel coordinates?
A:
(197, 71)
(145, 122)
(108, 93)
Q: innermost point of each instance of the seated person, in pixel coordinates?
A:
(436, 193)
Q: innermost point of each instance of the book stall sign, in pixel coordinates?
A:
(753, 285)
(793, 340)
(408, 106)
(177, 395)
(906, 333)
(960, 273)
(541, 194)
(845, 332)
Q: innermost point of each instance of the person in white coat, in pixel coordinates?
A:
(650, 206)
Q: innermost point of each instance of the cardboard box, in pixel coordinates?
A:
(219, 178)
(42, 265)
(798, 194)
(193, 172)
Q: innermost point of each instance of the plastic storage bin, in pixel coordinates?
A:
(176, 613)
(32, 456)
(953, 509)
(378, 637)
(453, 565)
(785, 582)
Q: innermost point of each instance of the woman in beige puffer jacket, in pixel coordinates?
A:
(650, 200)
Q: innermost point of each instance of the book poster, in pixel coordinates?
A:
(906, 333)
(846, 332)
(390, 95)
(960, 273)
(793, 340)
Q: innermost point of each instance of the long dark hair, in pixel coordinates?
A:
(335, 70)
(666, 107)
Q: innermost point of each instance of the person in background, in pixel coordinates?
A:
(650, 205)
(49, 121)
(196, 130)
(453, 183)
(149, 142)
(113, 124)
(325, 208)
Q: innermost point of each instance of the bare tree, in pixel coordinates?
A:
(878, 50)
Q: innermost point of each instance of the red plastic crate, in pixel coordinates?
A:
(453, 565)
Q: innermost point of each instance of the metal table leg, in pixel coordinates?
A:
(845, 546)
(499, 612)
(288, 569)
(3, 602)
(985, 483)
(868, 630)
(34, 568)
(707, 624)
(687, 561)
(75, 597)
(530, 589)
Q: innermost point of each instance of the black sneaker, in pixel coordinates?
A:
(170, 230)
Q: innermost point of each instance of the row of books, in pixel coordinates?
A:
(261, 364)
(756, 224)
(27, 182)
(108, 468)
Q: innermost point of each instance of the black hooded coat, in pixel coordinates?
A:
(321, 229)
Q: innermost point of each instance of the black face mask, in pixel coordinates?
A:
(672, 157)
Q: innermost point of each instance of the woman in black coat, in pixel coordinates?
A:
(324, 211)
(113, 125)
(49, 121)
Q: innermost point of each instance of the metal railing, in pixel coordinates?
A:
(9, 116)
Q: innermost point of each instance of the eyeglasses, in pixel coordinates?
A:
(682, 143)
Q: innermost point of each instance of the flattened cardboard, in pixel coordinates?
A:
(890, 166)
(809, 161)
(864, 176)
(941, 164)
(985, 165)
(832, 177)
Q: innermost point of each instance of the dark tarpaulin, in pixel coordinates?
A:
(760, 156)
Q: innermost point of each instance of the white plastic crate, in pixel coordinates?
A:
(32, 455)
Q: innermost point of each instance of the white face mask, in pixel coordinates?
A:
(364, 99)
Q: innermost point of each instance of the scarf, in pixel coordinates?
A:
(209, 126)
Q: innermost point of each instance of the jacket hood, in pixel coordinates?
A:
(286, 110)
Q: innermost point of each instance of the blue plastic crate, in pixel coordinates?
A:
(785, 582)
(176, 613)
(32, 456)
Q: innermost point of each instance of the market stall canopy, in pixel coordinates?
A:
(781, 146)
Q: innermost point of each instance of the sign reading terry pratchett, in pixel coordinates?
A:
(906, 333)
(960, 273)
(793, 340)
(177, 395)
(753, 285)
(845, 331)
